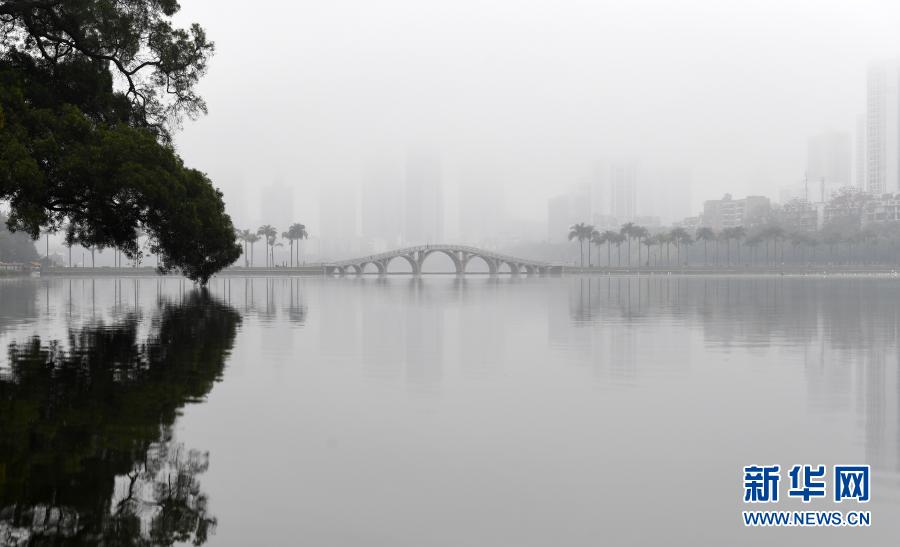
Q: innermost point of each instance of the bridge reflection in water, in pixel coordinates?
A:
(460, 255)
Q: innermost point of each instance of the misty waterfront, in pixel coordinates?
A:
(438, 410)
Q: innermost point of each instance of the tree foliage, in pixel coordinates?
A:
(90, 91)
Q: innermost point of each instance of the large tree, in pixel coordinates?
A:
(90, 91)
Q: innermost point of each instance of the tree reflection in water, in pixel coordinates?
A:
(87, 454)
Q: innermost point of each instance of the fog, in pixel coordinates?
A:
(315, 105)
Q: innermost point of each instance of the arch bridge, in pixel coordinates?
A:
(460, 255)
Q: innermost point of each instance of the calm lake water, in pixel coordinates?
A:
(439, 412)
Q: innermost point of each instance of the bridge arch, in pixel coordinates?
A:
(373, 267)
(414, 266)
(489, 264)
(452, 255)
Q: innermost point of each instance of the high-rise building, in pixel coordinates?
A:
(828, 165)
(277, 205)
(883, 129)
(338, 235)
(664, 192)
(381, 213)
(424, 203)
(623, 190)
(566, 210)
(481, 214)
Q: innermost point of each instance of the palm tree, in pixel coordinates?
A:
(599, 239)
(47, 231)
(738, 233)
(831, 239)
(705, 235)
(649, 242)
(69, 238)
(796, 240)
(582, 232)
(290, 237)
(269, 233)
(778, 234)
(297, 232)
(665, 239)
(812, 241)
(773, 233)
(270, 241)
(726, 236)
(594, 234)
(680, 237)
(753, 242)
(618, 239)
(245, 236)
(609, 237)
(251, 239)
(627, 230)
(640, 233)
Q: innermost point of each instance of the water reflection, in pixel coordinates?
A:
(530, 411)
(843, 331)
(18, 302)
(87, 452)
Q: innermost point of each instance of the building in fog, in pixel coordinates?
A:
(565, 210)
(338, 228)
(691, 224)
(800, 215)
(883, 129)
(859, 160)
(730, 213)
(664, 191)
(623, 190)
(828, 163)
(276, 206)
(381, 209)
(480, 211)
(881, 208)
(424, 200)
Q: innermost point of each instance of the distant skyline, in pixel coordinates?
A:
(524, 98)
(543, 88)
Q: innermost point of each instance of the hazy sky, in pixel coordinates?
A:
(311, 93)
